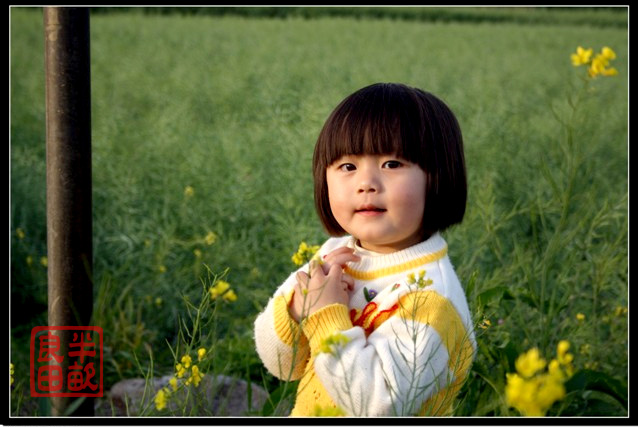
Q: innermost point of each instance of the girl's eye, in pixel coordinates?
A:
(347, 167)
(392, 164)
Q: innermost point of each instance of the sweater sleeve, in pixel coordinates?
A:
(280, 343)
(413, 362)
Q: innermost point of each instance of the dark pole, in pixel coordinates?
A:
(68, 143)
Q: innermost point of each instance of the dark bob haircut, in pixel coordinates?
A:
(415, 125)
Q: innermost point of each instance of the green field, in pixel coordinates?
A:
(232, 105)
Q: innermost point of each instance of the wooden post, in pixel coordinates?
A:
(68, 144)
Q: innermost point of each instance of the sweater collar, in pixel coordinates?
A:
(374, 265)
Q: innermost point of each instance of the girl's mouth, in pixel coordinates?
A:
(369, 210)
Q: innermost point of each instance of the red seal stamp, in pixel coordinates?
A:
(80, 375)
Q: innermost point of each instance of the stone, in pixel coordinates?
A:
(215, 396)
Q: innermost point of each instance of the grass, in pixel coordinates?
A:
(232, 106)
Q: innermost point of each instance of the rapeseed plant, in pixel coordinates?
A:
(186, 361)
(599, 65)
(485, 323)
(419, 279)
(195, 377)
(328, 411)
(230, 296)
(210, 238)
(222, 288)
(532, 390)
(304, 254)
(620, 311)
(180, 369)
(161, 398)
(333, 343)
(200, 354)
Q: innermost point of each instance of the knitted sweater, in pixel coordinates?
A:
(409, 336)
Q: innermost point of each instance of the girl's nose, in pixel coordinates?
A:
(368, 183)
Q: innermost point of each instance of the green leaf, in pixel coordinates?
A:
(44, 407)
(279, 395)
(496, 293)
(510, 352)
(528, 300)
(598, 381)
(75, 404)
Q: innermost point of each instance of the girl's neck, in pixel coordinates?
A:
(375, 250)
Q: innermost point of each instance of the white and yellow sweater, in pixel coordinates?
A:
(410, 336)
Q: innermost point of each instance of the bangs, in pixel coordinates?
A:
(373, 122)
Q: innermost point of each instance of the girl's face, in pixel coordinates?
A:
(378, 199)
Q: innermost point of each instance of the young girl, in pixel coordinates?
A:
(378, 323)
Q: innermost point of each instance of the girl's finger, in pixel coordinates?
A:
(302, 279)
(340, 257)
(349, 281)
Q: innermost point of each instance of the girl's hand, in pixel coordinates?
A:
(327, 284)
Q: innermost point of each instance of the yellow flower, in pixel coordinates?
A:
(419, 279)
(44, 261)
(333, 343)
(564, 358)
(580, 317)
(620, 311)
(201, 353)
(161, 269)
(608, 53)
(591, 365)
(521, 394)
(599, 65)
(529, 363)
(29, 260)
(581, 57)
(486, 323)
(189, 191)
(180, 370)
(304, 254)
(196, 376)
(158, 301)
(160, 399)
(532, 391)
(186, 361)
(230, 296)
(554, 369)
(20, 233)
(328, 411)
(534, 396)
(220, 287)
(173, 383)
(197, 253)
(210, 238)
(550, 389)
